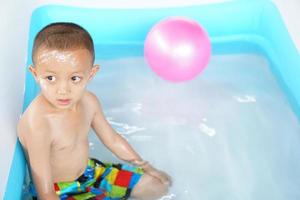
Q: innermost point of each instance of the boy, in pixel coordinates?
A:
(54, 128)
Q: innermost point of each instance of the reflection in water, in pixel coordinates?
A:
(123, 128)
(245, 99)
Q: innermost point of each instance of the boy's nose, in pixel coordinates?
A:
(63, 88)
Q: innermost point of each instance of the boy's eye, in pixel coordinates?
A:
(76, 79)
(50, 78)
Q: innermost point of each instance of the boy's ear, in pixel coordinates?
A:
(33, 72)
(94, 70)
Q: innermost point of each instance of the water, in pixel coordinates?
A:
(229, 134)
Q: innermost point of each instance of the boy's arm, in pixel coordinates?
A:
(109, 137)
(38, 145)
(119, 146)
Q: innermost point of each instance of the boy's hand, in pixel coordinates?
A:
(160, 175)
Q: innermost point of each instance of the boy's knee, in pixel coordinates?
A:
(150, 188)
(159, 187)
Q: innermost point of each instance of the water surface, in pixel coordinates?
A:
(229, 134)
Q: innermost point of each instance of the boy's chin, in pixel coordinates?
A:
(69, 105)
(63, 106)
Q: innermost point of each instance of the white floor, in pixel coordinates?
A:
(289, 10)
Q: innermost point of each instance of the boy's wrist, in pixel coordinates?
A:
(139, 162)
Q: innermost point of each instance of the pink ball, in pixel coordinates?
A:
(177, 49)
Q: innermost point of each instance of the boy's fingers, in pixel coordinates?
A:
(161, 176)
(167, 180)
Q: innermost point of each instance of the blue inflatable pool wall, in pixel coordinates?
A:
(233, 27)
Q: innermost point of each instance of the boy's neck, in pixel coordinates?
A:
(73, 108)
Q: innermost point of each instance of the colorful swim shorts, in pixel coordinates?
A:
(100, 181)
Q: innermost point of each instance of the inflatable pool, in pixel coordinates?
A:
(251, 28)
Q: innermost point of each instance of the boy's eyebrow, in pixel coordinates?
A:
(75, 72)
(78, 72)
(48, 71)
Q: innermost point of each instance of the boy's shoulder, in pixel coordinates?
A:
(36, 109)
(33, 119)
(90, 96)
(91, 99)
(36, 116)
(39, 108)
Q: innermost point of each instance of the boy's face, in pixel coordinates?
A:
(63, 75)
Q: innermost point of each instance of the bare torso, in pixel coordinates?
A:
(68, 134)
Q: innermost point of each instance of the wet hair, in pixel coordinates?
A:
(63, 36)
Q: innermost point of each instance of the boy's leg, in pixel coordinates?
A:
(149, 188)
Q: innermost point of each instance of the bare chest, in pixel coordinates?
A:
(69, 131)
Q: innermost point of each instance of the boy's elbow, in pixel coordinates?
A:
(114, 139)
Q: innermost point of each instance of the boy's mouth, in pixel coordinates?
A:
(64, 101)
